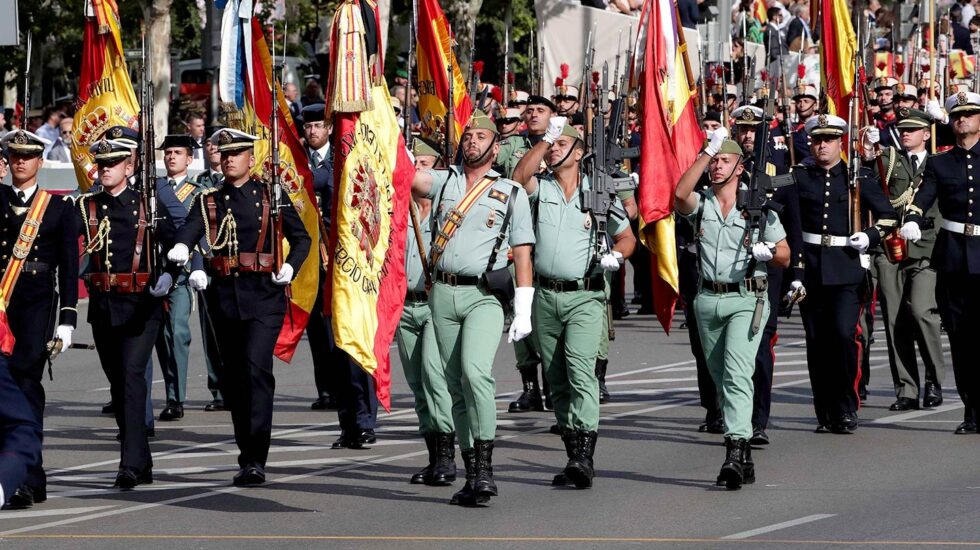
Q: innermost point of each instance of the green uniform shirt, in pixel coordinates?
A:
(512, 150)
(566, 236)
(413, 262)
(898, 168)
(468, 251)
(725, 245)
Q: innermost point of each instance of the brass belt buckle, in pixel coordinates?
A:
(825, 240)
(449, 278)
(232, 261)
(112, 279)
(971, 230)
(719, 287)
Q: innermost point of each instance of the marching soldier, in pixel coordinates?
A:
(949, 180)
(835, 271)
(39, 247)
(732, 258)
(513, 145)
(477, 211)
(884, 89)
(246, 296)
(907, 285)
(125, 306)
(806, 108)
(418, 349)
(20, 440)
(570, 287)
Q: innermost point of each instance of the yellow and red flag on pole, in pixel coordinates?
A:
(838, 48)
(885, 65)
(961, 64)
(373, 176)
(247, 64)
(671, 139)
(759, 11)
(105, 93)
(435, 55)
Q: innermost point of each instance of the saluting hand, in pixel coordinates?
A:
(555, 126)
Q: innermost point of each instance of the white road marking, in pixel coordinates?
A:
(896, 418)
(778, 526)
(12, 514)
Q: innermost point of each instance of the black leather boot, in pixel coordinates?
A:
(423, 475)
(466, 496)
(546, 392)
(570, 439)
(600, 373)
(530, 399)
(483, 484)
(748, 466)
(444, 463)
(732, 473)
(581, 469)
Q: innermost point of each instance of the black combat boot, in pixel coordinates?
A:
(530, 399)
(483, 484)
(581, 469)
(546, 392)
(444, 463)
(570, 439)
(732, 473)
(466, 496)
(748, 466)
(423, 475)
(600, 373)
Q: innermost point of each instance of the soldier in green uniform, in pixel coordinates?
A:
(418, 350)
(907, 289)
(513, 145)
(477, 212)
(569, 263)
(732, 302)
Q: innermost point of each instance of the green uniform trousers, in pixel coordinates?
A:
(419, 353)
(566, 328)
(908, 305)
(468, 322)
(174, 341)
(604, 335)
(725, 325)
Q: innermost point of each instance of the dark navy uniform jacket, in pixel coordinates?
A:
(952, 178)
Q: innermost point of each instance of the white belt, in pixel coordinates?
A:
(824, 240)
(967, 229)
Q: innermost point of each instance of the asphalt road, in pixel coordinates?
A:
(902, 480)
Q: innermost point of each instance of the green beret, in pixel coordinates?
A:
(481, 121)
(570, 131)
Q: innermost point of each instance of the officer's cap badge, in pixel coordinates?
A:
(116, 133)
(104, 147)
(904, 112)
(822, 121)
(748, 115)
(20, 138)
(224, 138)
(961, 98)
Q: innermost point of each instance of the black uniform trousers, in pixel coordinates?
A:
(688, 275)
(765, 358)
(124, 351)
(32, 325)
(357, 403)
(958, 296)
(20, 434)
(246, 380)
(321, 343)
(833, 349)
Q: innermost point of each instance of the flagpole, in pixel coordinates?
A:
(682, 47)
(932, 65)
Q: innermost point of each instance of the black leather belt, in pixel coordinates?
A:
(416, 296)
(33, 268)
(453, 279)
(596, 282)
(748, 284)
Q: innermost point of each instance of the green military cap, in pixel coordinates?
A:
(481, 121)
(424, 148)
(570, 131)
(913, 119)
(730, 147)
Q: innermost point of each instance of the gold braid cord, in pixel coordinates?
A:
(227, 235)
(101, 239)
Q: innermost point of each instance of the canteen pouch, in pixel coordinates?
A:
(500, 283)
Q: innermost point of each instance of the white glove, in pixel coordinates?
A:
(555, 126)
(63, 333)
(762, 251)
(520, 327)
(635, 178)
(611, 261)
(872, 136)
(284, 276)
(197, 280)
(179, 254)
(935, 111)
(910, 231)
(162, 288)
(715, 139)
(796, 285)
(859, 241)
(794, 288)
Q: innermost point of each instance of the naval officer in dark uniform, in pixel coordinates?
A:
(246, 296)
(32, 262)
(951, 179)
(125, 306)
(835, 270)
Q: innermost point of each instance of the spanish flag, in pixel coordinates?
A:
(759, 11)
(435, 55)
(373, 176)
(7, 339)
(671, 139)
(885, 65)
(253, 96)
(105, 93)
(838, 48)
(961, 64)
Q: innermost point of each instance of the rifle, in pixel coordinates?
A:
(406, 107)
(853, 146)
(748, 82)
(148, 172)
(530, 62)
(505, 85)
(450, 118)
(602, 165)
(27, 81)
(725, 115)
(275, 185)
(975, 42)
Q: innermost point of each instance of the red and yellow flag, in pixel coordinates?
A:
(373, 176)
(838, 48)
(105, 93)
(960, 64)
(759, 11)
(885, 65)
(435, 55)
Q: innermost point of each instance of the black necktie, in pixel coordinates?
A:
(173, 183)
(22, 196)
(915, 163)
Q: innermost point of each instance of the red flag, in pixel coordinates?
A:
(435, 55)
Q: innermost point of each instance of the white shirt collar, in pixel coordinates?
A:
(28, 193)
(324, 151)
(921, 157)
(178, 181)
